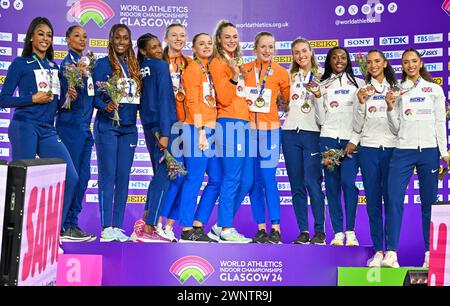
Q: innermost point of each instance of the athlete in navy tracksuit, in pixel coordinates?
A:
(31, 131)
(377, 143)
(73, 127)
(158, 114)
(417, 116)
(115, 144)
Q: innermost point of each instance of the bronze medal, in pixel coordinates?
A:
(260, 102)
(180, 95)
(306, 108)
(370, 90)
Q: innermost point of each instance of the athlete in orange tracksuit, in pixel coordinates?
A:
(232, 131)
(198, 147)
(264, 81)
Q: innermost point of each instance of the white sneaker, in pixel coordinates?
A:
(120, 236)
(168, 231)
(376, 260)
(338, 239)
(350, 239)
(108, 235)
(214, 233)
(390, 260)
(231, 235)
(161, 232)
(426, 262)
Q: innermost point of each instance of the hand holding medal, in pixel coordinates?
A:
(314, 88)
(362, 95)
(390, 100)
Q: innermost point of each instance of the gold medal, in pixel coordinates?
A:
(211, 101)
(239, 61)
(260, 102)
(180, 95)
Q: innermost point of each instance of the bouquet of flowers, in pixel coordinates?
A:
(74, 78)
(332, 158)
(174, 167)
(92, 60)
(115, 89)
(361, 60)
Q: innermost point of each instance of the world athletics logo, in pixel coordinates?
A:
(446, 7)
(191, 266)
(82, 11)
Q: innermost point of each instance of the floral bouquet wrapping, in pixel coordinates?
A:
(115, 89)
(361, 60)
(174, 168)
(332, 158)
(74, 78)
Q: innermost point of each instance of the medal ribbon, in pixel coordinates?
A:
(258, 75)
(174, 72)
(207, 74)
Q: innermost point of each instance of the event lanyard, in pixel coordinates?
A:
(334, 78)
(375, 87)
(179, 71)
(258, 75)
(401, 92)
(47, 72)
(311, 76)
(207, 74)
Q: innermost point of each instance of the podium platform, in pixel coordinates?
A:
(220, 264)
(351, 276)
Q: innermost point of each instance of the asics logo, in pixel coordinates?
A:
(434, 171)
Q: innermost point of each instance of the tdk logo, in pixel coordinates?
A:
(342, 91)
(394, 40)
(412, 100)
(357, 42)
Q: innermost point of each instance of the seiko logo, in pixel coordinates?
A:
(342, 91)
(418, 99)
(358, 42)
(394, 40)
